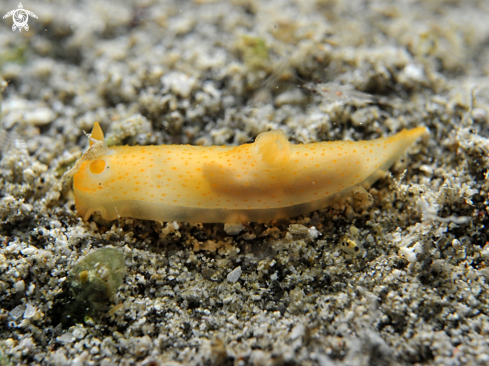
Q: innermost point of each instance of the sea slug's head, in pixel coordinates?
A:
(89, 185)
(91, 176)
(92, 173)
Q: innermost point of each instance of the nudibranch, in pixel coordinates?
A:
(262, 181)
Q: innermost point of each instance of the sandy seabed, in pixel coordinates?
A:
(289, 292)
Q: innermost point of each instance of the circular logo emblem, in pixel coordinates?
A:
(20, 18)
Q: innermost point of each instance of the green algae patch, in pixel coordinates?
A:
(90, 286)
(254, 51)
(16, 54)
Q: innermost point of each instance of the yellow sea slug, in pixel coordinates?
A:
(266, 180)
